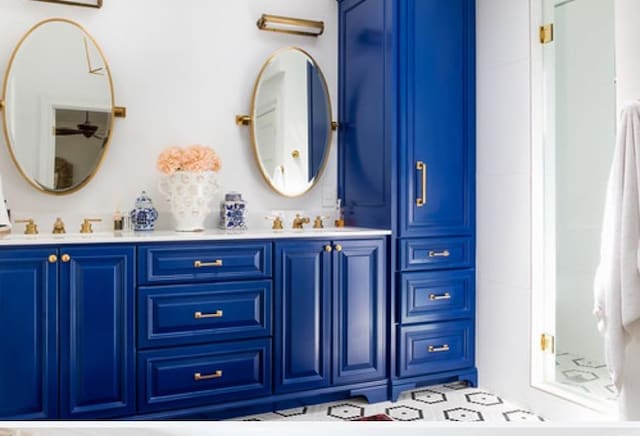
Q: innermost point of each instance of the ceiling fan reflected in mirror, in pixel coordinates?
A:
(86, 129)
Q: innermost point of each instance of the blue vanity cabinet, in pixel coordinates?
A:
(407, 163)
(97, 366)
(436, 116)
(28, 339)
(324, 287)
(303, 315)
(359, 311)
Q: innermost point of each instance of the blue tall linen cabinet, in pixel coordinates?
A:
(407, 162)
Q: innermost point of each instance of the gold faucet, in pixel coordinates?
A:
(31, 228)
(58, 227)
(299, 221)
(86, 225)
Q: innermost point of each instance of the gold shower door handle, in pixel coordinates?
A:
(422, 200)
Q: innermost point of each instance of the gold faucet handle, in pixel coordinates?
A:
(86, 226)
(31, 227)
(58, 227)
(317, 223)
(277, 222)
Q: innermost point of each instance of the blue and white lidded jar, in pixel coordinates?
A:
(144, 216)
(233, 212)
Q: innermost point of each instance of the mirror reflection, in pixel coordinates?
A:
(291, 126)
(58, 106)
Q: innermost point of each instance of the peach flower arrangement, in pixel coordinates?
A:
(196, 158)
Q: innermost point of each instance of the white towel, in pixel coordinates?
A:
(617, 279)
(5, 224)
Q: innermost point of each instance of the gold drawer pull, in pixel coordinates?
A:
(445, 296)
(200, 315)
(422, 167)
(445, 253)
(198, 376)
(201, 264)
(442, 349)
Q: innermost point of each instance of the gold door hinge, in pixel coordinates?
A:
(548, 343)
(546, 33)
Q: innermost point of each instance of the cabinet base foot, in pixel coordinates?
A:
(467, 378)
(375, 394)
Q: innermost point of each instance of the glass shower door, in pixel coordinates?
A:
(579, 139)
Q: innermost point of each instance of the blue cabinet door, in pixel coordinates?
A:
(302, 314)
(97, 372)
(359, 314)
(437, 117)
(28, 360)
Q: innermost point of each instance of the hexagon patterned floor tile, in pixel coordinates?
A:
(450, 402)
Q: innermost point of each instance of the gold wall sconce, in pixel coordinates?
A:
(295, 26)
(86, 3)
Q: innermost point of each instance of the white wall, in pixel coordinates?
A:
(183, 70)
(504, 208)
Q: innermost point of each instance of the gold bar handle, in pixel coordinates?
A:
(198, 376)
(200, 315)
(421, 166)
(201, 264)
(444, 253)
(442, 349)
(445, 296)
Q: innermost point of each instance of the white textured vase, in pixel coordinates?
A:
(189, 195)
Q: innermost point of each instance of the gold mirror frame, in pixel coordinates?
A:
(247, 120)
(116, 112)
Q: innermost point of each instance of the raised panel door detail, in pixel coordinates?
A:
(359, 311)
(437, 122)
(436, 253)
(436, 347)
(28, 341)
(437, 296)
(191, 376)
(302, 314)
(193, 314)
(365, 110)
(198, 262)
(97, 333)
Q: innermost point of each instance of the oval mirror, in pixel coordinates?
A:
(58, 106)
(291, 122)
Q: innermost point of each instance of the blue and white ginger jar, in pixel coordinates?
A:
(144, 216)
(233, 212)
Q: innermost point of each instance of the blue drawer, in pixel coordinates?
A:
(192, 263)
(436, 253)
(437, 296)
(192, 376)
(195, 314)
(437, 347)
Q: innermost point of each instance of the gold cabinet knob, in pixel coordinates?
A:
(295, 154)
(66, 258)
(328, 248)
(53, 258)
(338, 248)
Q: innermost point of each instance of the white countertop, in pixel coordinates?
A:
(17, 239)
